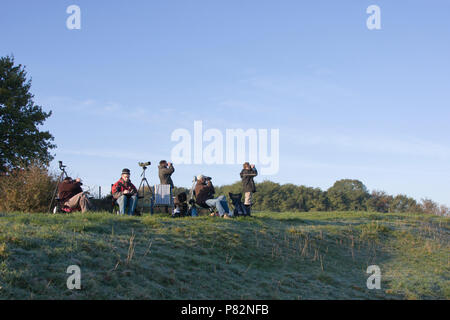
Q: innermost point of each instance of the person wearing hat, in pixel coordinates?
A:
(125, 193)
(72, 196)
(165, 170)
(204, 195)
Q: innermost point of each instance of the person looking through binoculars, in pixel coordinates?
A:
(165, 170)
(125, 193)
(248, 184)
(72, 196)
(204, 194)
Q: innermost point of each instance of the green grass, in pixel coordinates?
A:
(317, 255)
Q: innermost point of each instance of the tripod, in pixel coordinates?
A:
(60, 179)
(192, 211)
(144, 183)
(191, 192)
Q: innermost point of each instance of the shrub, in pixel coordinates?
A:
(27, 189)
(379, 201)
(430, 207)
(444, 211)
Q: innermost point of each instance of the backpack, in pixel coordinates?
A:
(239, 208)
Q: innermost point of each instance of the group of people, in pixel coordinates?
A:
(204, 192)
(124, 192)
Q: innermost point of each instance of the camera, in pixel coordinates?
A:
(61, 166)
(208, 178)
(144, 164)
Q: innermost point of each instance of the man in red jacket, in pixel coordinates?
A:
(125, 193)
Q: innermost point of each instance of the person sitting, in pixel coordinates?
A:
(204, 195)
(72, 196)
(248, 185)
(181, 206)
(165, 170)
(125, 193)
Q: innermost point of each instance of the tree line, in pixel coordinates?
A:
(344, 195)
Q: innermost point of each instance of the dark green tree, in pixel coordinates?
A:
(290, 198)
(344, 195)
(21, 140)
(347, 194)
(403, 203)
(320, 200)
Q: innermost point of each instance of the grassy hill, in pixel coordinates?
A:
(316, 255)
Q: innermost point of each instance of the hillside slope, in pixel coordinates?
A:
(317, 255)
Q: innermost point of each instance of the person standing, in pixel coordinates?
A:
(165, 170)
(125, 193)
(248, 184)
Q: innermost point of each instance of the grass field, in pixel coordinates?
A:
(317, 255)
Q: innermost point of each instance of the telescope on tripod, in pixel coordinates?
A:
(144, 183)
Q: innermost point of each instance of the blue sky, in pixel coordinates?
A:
(349, 102)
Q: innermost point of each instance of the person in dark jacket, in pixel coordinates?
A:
(204, 196)
(125, 193)
(165, 170)
(181, 206)
(248, 184)
(71, 195)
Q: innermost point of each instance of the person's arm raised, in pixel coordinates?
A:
(168, 170)
(211, 187)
